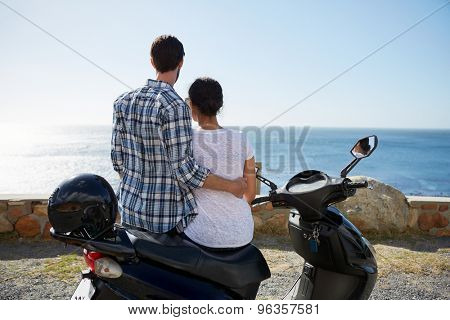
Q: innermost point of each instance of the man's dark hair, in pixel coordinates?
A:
(206, 94)
(166, 52)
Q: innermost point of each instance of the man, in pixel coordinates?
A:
(152, 150)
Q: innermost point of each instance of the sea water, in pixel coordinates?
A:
(37, 159)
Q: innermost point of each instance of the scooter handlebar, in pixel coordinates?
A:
(348, 186)
(260, 200)
(356, 185)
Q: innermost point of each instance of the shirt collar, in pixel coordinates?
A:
(157, 84)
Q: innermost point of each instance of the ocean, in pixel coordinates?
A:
(417, 162)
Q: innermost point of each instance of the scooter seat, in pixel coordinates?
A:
(234, 268)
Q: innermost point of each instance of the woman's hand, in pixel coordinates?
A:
(250, 177)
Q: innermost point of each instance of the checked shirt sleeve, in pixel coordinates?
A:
(116, 140)
(177, 137)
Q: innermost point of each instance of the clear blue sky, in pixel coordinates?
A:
(266, 54)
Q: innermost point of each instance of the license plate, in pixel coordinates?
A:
(84, 291)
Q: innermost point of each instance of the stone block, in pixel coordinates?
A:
(40, 210)
(5, 225)
(429, 206)
(3, 206)
(425, 222)
(429, 221)
(443, 233)
(258, 222)
(46, 232)
(439, 220)
(17, 209)
(270, 221)
(28, 226)
(360, 223)
(277, 224)
(413, 217)
(383, 210)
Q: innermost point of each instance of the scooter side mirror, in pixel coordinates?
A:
(266, 181)
(362, 149)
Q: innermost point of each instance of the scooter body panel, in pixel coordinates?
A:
(150, 281)
(344, 258)
(143, 280)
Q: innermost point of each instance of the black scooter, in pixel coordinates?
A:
(339, 261)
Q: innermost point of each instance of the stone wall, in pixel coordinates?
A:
(430, 214)
(383, 210)
(24, 216)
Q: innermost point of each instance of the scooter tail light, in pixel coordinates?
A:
(101, 265)
(107, 268)
(90, 257)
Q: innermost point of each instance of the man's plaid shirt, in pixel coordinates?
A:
(151, 149)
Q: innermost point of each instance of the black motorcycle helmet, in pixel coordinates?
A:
(84, 205)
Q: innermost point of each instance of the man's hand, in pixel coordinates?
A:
(238, 187)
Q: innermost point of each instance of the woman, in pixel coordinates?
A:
(223, 221)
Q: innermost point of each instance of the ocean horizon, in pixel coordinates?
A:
(35, 159)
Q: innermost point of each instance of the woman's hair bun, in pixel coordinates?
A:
(206, 94)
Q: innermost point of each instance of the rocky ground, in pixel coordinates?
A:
(409, 268)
